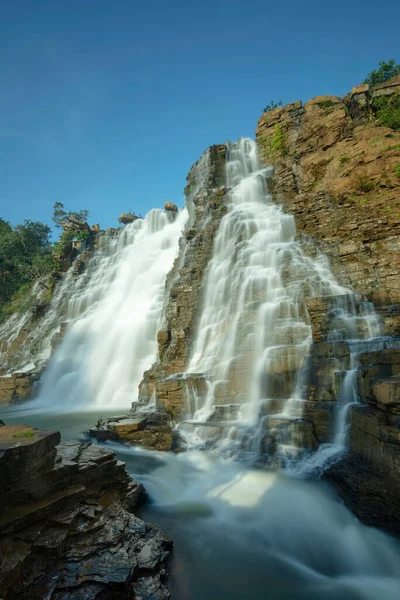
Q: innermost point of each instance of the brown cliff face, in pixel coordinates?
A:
(205, 195)
(337, 171)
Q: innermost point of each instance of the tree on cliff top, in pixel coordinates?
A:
(386, 71)
(60, 215)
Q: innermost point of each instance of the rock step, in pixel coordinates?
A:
(25, 514)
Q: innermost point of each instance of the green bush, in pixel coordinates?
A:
(387, 111)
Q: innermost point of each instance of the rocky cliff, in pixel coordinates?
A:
(337, 171)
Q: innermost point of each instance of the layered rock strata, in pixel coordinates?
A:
(206, 203)
(336, 171)
(67, 529)
(369, 476)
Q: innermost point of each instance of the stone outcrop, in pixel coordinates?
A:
(126, 218)
(335, 170)
(16, 387)
(369, 476)
(205, 199)
(67, 529)
(171, 207)
(150, 429)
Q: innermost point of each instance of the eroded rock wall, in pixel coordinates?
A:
(206, 203)
(336, 171)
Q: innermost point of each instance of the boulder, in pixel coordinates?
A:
(126, 218)
(170, 206)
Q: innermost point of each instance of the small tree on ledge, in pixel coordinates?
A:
(386, 71)
(272, 105)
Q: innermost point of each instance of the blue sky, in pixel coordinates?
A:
(105, 104)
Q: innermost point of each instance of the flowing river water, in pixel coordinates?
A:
(247, 534)
(239, 532)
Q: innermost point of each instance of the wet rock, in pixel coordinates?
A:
(76, 538)
(152, 430)
(368, 478)
(205, 200)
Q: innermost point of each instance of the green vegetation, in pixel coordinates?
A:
(277, 145)
(326, 104)
(374, 141)
(387, 111)
(272, 105)
(344, 159)
(27, 433)
(385, 71)
(397, 170)
(27, 255)
(364, 184)
(392, 147)
(61, 217)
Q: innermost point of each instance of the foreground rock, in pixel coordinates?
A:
(66, 526)
(150, 430)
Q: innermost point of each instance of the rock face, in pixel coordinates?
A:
(369, 477)
(205, 199)
(126, 218)
(17, 386)
(150, 430)
(335, 170)
(66, 526)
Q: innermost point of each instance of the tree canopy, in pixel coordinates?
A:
(27, 254)
(385, 71)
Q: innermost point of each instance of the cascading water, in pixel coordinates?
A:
(114, 314)
(238, 532)
(254, 333)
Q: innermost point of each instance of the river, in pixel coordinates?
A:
(243, 533)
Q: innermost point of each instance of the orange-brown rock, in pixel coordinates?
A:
(336, 171)
(15, 387)
(171, 207)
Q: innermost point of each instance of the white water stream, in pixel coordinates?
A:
(254, 333)
(239, 533)
(114, 312)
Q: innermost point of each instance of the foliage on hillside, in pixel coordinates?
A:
(27, 255)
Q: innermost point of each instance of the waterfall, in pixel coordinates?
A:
(114, 310)
(254, 334)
